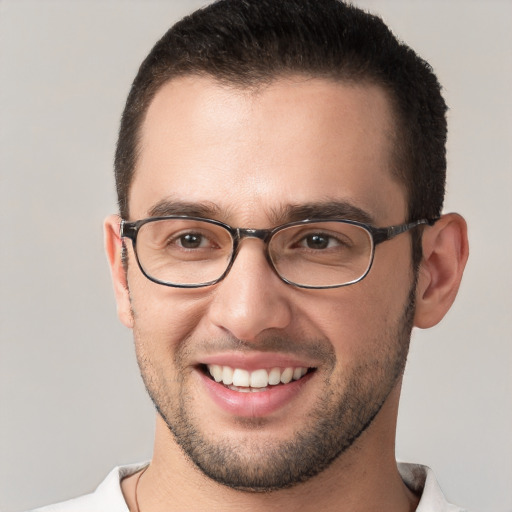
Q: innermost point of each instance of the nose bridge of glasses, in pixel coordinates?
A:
(261, 234)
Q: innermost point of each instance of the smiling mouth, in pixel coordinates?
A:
(238, 379)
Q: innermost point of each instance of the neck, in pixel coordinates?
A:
(365, 478)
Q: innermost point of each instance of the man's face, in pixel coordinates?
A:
(247, 158)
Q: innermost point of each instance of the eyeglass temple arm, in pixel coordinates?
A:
(383, 234)
(128, 229)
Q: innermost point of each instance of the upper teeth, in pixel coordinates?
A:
(256, 379)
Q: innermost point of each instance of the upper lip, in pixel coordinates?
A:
(257, 360)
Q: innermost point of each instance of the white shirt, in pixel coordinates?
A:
(108, 497)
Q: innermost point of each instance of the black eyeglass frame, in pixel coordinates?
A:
(130, 229)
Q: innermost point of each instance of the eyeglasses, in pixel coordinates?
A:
(191, 252)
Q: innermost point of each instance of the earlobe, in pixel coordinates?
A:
(445, 252)
(114, 250)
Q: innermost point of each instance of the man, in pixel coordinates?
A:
(280, 172)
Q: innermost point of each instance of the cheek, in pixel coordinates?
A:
(163, 316)
(390, 279)
(361, 319)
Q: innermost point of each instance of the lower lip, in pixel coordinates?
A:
(253, 404)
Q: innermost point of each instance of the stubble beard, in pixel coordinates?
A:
(340, 417)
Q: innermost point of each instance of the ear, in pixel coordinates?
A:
(114, 250)
(445, 252)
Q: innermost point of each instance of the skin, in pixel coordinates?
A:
(247, 155)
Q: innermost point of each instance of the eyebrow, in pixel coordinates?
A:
(327, 210)
(166, 207)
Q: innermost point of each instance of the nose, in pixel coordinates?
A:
(251, 299)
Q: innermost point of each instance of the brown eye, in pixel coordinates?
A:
(191, 241)
(317, 241)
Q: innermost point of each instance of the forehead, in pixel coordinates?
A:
(294, 141)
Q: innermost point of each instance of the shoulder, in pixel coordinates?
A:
(421, 480)
(81, 504)
(108, 494)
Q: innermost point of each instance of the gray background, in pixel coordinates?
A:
(71, 402)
